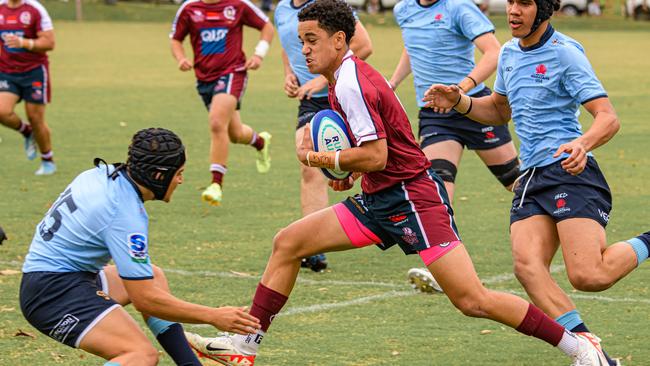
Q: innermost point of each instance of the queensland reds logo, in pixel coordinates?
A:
(197, 16)
(409, 236)
(25, 17)
(229, 12)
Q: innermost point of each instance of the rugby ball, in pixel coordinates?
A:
(329, 133)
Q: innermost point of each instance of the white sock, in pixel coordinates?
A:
(569, 343)
(248, 343)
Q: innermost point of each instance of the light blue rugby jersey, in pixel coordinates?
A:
(286, 23)
(438, 39)
(95, 219)
(545, 85)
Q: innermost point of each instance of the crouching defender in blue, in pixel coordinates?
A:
(562, 199)
(70, 294)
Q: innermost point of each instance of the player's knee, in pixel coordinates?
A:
(218, 125)
(525, 270)
(311, 175)
(590, 280)
(445, 169)
(284, 244)
(473, 304)
(5, 112)
(149, 356)
(506, 173)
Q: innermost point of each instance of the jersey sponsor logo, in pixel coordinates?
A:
(509, 68)
(12, 19)
(137, 243)
(63, 328)
(398, 219)
(103, 295)
(213, 40)
(17, 33)
(409, 236)
(25, 17)
(229, 12)
(197, 16)
(540, 73)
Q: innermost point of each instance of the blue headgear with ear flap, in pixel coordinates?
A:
(545, 9)
(155, 155)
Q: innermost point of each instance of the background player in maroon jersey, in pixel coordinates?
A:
(26, 34)
(215, 28)
(403, 201)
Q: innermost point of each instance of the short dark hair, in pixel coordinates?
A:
(332, 16)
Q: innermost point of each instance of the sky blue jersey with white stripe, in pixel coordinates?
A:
(95, 219)
(439, 40)
(545, 85)
(286, 23)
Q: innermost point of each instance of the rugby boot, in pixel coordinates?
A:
(212, 194)
(589, 352)
(46, 168)
(317, 263)
(220, 349)
(263, 161)
(422, 280)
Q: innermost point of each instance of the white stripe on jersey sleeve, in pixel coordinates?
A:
(349, 95)
(257, 10)
(46, 21)
(178, 14)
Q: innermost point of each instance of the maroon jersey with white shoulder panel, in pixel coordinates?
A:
(26, 20)
(372, 111)
(216, 34)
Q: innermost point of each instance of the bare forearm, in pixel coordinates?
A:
(605, 126)
(286, 64)
(355, 159)
(483, 69)
(177, 50)
(401, 71)
(361, 44)
(165, 306)
(483, 110)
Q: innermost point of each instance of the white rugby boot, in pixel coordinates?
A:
(220, 349)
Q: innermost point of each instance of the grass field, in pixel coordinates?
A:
(111, 79)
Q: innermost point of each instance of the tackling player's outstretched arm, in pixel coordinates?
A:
(492, 109)
(150, 300)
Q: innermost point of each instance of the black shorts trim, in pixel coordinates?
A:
(308, 109)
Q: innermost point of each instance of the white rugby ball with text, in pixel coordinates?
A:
(329, 133)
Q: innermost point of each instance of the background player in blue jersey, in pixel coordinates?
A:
(67, 291)
(562, 197)
(311, 91)
(439, 39)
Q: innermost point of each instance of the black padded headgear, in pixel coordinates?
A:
(545, 9)
(155, 155)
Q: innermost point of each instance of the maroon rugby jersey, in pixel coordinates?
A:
(372, 111)
(216, 34)
(24, 21)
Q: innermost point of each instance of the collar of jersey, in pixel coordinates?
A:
(133, 184)
(348, 55)
(427, 6)
(301, 6)
(542, 41)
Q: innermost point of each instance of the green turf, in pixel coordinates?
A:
(111, 79)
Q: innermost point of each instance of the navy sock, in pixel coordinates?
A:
(172, 339)
(580, 328)
(645, 238)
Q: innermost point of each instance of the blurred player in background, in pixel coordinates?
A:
(439, 40)
(311, 91)
(216, 33)
(26, 34)
(562, 199)
(403, 202)
(70, 294)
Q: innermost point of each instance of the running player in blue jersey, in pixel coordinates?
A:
(439, 41)
(70, 294)
(311, 91)
(562, 197)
